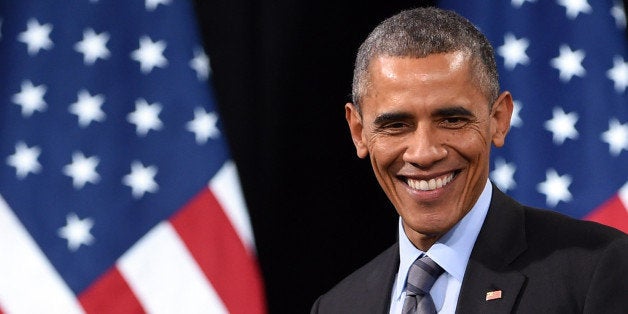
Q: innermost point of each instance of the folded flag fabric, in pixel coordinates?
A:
(117, 190)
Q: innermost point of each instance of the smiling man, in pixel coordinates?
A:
(426, 110)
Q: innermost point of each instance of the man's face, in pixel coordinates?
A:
(428, 129)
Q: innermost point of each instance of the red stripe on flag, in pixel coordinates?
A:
(110, 294)
(612, 213)
(215, 245)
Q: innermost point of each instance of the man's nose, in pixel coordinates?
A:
(424, 147)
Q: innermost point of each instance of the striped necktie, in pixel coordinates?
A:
(421, 277)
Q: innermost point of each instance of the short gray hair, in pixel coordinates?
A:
(421, 32)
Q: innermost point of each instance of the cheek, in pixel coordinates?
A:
(474, 147)
(473, 143)
(384, 149)
(381, 159)
(384, 152)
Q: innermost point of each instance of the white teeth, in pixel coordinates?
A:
(422, 185)
(432, 184)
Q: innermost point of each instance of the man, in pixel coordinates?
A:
(426, 110)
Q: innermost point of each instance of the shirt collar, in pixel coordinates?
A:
(452, 250)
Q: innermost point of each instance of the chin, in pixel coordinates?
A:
(428, 225)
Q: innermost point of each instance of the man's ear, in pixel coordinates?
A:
(500, 118)
(354, 119)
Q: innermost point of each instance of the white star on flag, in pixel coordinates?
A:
(618, 13)
(82, 170)
(25, 160)
(145, 117)
(575, 7)
(616, 137)
(515, 119)
(76, 231)
(151, 5)
(619, 74)
(555, 188)
(93, 46)
(150, 54)
(503, 174)
(87, 108)
(30, 98)
(141, 179)
(36, 37)
(203, 125)
(562, 125)
(569, 63)
(200, 64)
(514, 51)
(518, 3)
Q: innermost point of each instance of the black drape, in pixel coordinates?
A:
(282, 73)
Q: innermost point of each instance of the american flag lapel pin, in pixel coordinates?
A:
(493, 295)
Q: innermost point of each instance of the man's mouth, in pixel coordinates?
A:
(431, 184)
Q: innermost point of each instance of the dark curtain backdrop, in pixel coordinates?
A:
(282, 73)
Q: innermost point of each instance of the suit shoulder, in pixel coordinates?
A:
(546, 225)
(374, 279)
(387, 260)
(565, 228)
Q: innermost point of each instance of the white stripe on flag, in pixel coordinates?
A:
(226, 187)
(165, 277)
(623, 196)
(28, 282)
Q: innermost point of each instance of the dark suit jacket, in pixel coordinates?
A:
(543, 262)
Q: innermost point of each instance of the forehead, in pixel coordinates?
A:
(435, 79)
(434, 67)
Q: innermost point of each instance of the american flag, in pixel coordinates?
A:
(117, 191)
(566, 64)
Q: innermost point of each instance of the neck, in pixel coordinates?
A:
(421, 241)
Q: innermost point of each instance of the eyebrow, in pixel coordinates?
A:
(442, 112)
(391, 116)
(453, 111)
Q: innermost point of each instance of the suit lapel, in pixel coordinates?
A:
(379, 283)
(500, 242)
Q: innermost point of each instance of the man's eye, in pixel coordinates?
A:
(454, 122)
(395, 125)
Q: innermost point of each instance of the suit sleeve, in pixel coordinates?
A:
(608, 292)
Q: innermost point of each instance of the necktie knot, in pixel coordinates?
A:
(421, 277)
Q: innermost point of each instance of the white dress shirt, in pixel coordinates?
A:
(451, 252)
